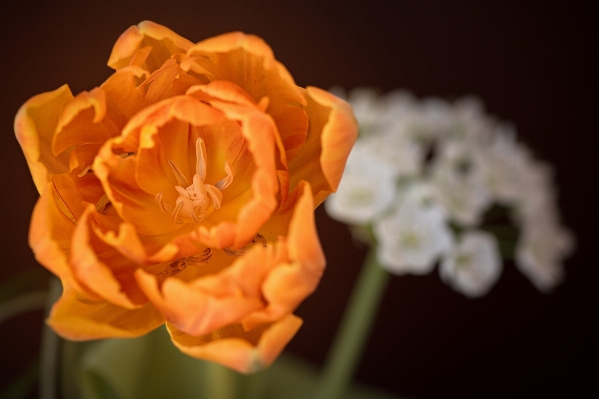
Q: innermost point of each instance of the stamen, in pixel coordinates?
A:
(173, 269)
(200, 258)
(181, 179)
(241, 251)
(164, 207)
(103, 205)
(201, 158)
(195, 217)
(226, 181)
(233, 252)
(175, 214)
(260, 238)
(215, 195)
(179, 265)
(88, 169)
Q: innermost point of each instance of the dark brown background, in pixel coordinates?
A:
(532, 63)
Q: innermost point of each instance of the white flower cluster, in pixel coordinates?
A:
(428, 175)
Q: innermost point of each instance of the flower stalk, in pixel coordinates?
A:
(354, 329)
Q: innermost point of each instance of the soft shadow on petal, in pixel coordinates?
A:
(81, 122)
(290, 282)
(101, 268)
(163, 41)
(224, 296)
(228, 57)
(232, 346)
(78, 317)
(132, 203)
(260, 133)
(84, 180)
(123, 99)
(34, 126)
(332, 133)
(50, 236)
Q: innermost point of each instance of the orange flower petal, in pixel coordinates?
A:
(232, 55)
(35, 124)
(289, 283)
(159, 85)
(50, 235)
(260, 133)
(332, 133)
(192, 307)
(131, 202)
(164, 43)
(101, 268)
(86, 183)
(123, 98)
(212, 301)
(78, 317)
(80, 122)
(244, 351)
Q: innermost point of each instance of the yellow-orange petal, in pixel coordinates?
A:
(123, 98)
(289, 283)
(244, 351)
(34, 126)
(101, 268)
(50, 235)
(332, 133)
(197, 308)
(230, 55)
(260, 132)
(220, 93)
(159, 85)
(226, 91)
(81, 122)
(164, 43)
(78, 317)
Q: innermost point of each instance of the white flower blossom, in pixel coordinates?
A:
(456, 173)
(505, 164)
(421, 166)
(401, 153)
(474, 265)
(412, 238)
(540, 250)
(366, 189)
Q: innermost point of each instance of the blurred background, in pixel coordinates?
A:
(533, 63)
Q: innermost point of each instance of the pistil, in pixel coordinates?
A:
(196, 200)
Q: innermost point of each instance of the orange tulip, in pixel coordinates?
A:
(182, 190)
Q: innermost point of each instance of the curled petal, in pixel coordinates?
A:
(212, 302)
(164, 43)
(78, 317)
(35, 124)
(227, 57)
(50, 235)
(260, 133)
(124, 99)
(80, 120)
(332, 133)
(232, 346)
(101, 268)
(289, 283)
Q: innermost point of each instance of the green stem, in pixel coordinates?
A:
(353, 332)
(50, 348)
(221, 381)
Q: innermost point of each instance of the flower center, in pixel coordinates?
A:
(198, 199)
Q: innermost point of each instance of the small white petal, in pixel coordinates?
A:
(474, 265)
